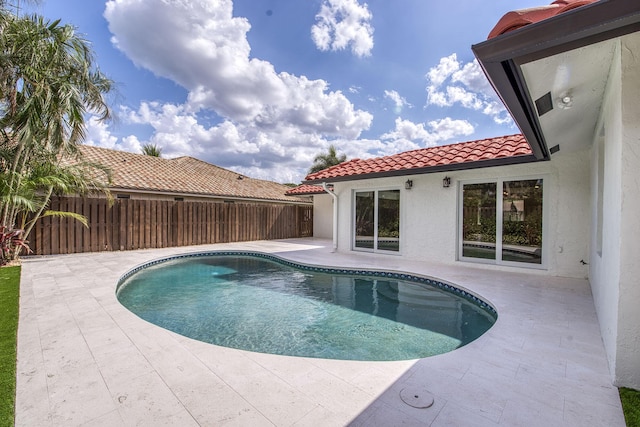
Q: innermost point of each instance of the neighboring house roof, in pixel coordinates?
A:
(305, 190)
(554, 71)
(182, 175)
(473, 154)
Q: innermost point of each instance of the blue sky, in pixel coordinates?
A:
(262, 86)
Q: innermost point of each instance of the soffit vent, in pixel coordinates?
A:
(544, 104)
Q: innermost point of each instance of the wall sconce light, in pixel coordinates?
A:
(408, 185)
(446, 182)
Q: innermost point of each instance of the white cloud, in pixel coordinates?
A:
(447, 128)
(241, 114)
(283, 153)
(203, 48)
(341, 24)
(441, 72)
(270, 123)
(98, 134)
(472, 76)
(399, 101)
(451, 83)
(430, 134)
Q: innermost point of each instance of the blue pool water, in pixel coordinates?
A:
(260, 303)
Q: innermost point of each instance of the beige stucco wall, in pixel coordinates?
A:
(429, 212)
(615, 271)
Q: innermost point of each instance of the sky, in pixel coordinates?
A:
(263, 86)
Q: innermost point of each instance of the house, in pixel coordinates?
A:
(322, 208)
(445, 204)
(137, 176)
(559, 199)
(163, 203)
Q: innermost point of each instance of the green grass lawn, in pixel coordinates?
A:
(9, 295)
(631, 406)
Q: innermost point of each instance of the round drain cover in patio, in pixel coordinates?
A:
(416, 397)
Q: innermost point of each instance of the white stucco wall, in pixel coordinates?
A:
(616, 283)
(604, 268)
(628, 357)
(323, 216)
(429, 212)
(615, 271)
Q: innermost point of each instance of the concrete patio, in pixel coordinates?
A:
(83, 359)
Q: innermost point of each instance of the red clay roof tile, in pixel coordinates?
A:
(305, 190)
(440, 156)
(520, 18)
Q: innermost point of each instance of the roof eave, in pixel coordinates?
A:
(502, 56)
(216, 196)
(503, 161)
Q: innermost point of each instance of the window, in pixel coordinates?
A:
(377, 220)
(502, 226)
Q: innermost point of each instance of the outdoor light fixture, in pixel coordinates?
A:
(565, 101)
(446, 182)
(408, 185)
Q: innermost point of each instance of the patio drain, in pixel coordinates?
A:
(416, 397)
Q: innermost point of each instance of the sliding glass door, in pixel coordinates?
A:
(479, 220)
(365, 220)
(522, 221)
(377, 220)
(502, 221)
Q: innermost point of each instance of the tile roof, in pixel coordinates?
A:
(305, 190)
(509, 149)
(182, 175)
(519, 18)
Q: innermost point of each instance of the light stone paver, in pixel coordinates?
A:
(85, 360)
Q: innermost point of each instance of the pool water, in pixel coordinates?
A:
(264, 305)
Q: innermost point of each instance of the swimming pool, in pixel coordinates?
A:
(260, 302)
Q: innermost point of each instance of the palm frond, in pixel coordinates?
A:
(69, 215)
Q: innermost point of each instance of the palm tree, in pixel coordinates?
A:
(48, 85)
(15, 4)
(323, 161)
(151, 150)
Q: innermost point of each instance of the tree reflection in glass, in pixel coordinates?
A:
(479, 220)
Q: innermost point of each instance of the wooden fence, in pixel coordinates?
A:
(141, 224)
